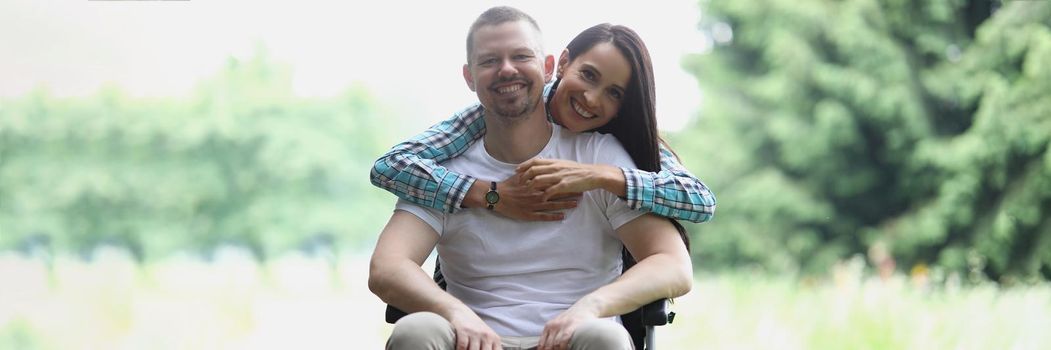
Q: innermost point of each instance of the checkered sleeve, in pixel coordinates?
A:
(673, 192)
(411, 169)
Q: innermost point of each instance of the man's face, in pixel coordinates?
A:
(507, 70)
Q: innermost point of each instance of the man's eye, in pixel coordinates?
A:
(522, 57)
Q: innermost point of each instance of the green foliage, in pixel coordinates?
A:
(241, 162)
(833, 126)
(19, 334)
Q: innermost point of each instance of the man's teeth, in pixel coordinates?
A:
(509, 89)
(581, 111)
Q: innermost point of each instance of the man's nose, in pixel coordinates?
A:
(507, 69)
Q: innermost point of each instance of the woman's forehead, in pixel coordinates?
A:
(608, 60)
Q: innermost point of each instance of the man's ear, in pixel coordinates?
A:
(563, 63)
(468, 77)
(549, 67)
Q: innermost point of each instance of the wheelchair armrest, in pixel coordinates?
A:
(393, 314)
(656, 313)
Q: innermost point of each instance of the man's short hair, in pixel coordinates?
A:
(496, 16)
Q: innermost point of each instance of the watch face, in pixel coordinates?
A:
(492, 197)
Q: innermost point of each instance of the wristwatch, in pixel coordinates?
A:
(491, 197)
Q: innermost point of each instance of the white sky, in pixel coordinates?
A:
(409, 53)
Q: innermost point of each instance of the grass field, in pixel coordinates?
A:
(304, 303)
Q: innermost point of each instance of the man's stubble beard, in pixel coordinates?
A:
(513, 115)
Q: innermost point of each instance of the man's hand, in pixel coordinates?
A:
(556, 177)
(519, 201)
(559, 330)
(472, 333)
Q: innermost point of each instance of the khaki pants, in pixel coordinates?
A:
(427, 330)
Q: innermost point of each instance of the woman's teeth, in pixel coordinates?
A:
(580, 110)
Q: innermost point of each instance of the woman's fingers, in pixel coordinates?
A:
(535, 171)
(557, 196)
(542, 182)
(559, 191)
(557, 205)
(533, 162)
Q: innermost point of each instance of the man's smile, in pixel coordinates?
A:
(509, 89)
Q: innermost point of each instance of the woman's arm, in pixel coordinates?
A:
(410, 170)
(672, 192)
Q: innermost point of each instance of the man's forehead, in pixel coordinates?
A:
(518, 35)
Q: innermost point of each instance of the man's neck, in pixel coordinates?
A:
(517, 141)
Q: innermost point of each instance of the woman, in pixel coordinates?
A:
(583, 98)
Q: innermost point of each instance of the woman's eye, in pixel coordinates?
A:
(586, 74)
(615, 94)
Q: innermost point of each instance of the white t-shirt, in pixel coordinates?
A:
(517, 275)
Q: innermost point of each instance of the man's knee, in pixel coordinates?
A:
(421, 330)
(600, 334)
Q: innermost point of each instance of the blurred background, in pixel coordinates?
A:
(193, 174)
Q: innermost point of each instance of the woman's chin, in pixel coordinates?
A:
(574, 124)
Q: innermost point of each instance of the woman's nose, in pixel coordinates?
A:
(591, 98)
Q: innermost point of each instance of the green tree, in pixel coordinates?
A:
(832, 126)
(241, 162)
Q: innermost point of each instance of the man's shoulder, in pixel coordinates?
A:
(432, 217)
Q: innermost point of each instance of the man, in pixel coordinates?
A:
(515, 284)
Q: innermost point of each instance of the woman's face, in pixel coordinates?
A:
(592, 88)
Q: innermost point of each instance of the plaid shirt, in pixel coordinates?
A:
(411, 171)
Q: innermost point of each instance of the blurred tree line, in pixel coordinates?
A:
(829, 129)
(832, 128)
(241, 162)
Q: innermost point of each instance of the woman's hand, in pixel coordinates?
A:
(519, 201)
(557, 177)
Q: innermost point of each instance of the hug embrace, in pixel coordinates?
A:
(531, 196)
